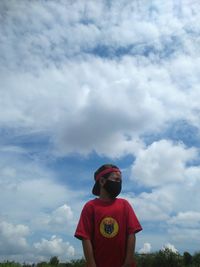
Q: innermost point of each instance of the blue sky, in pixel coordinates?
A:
(85, 83)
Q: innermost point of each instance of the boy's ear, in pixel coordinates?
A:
(102, 181)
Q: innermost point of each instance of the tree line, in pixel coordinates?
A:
(162, 258)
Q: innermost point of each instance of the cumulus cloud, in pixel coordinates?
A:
(98, 77)
(167, 169)
(181, 235)
(54, 246)
(28, 190)
(155, 206)
(62, 214)
(161, 163)
(170, 247)
(184, 227)
(77, 103)
(83, 26)
(14, 245)
(186, 219)
(83, 117)
(35, 200)
(145, 249)
(78, 107)
(13, 238)
(38, 193)
(59, 220)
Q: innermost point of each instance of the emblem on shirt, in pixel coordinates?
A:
(109, 227)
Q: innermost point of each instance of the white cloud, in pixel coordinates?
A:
(142, 77)
(13, 238)
(62, 214)
(54, 246)
(159, 204)
(186, 219)
(14, 245)
(59, 220)
(81, 116)
(29, 191)
(145, 249)
(154, 237)
(170, 247)
(161, 163)
(68, 28)
(153, 206)
(163, 167)
(31, 197)
(181, 235)
(155, 166)
(70, 110)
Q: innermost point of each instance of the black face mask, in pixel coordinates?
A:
(113, 188)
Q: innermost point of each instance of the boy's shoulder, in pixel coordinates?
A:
(125, 203)
(90, 203)
(123, 200)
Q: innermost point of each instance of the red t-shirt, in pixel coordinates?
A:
(107, 224)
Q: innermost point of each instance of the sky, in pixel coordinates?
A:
(88, 82)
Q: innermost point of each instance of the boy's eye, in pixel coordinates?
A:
(115, 177)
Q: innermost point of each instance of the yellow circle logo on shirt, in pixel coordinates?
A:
(109, 227)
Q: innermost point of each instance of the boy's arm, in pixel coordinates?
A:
(88, 252)
(130, 251)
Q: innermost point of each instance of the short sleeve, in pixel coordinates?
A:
(133, 224)
(85, 226)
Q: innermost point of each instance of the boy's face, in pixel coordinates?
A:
(112, 184)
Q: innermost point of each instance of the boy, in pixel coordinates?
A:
(107, 224)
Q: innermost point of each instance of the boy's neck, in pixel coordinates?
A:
(105, 196)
